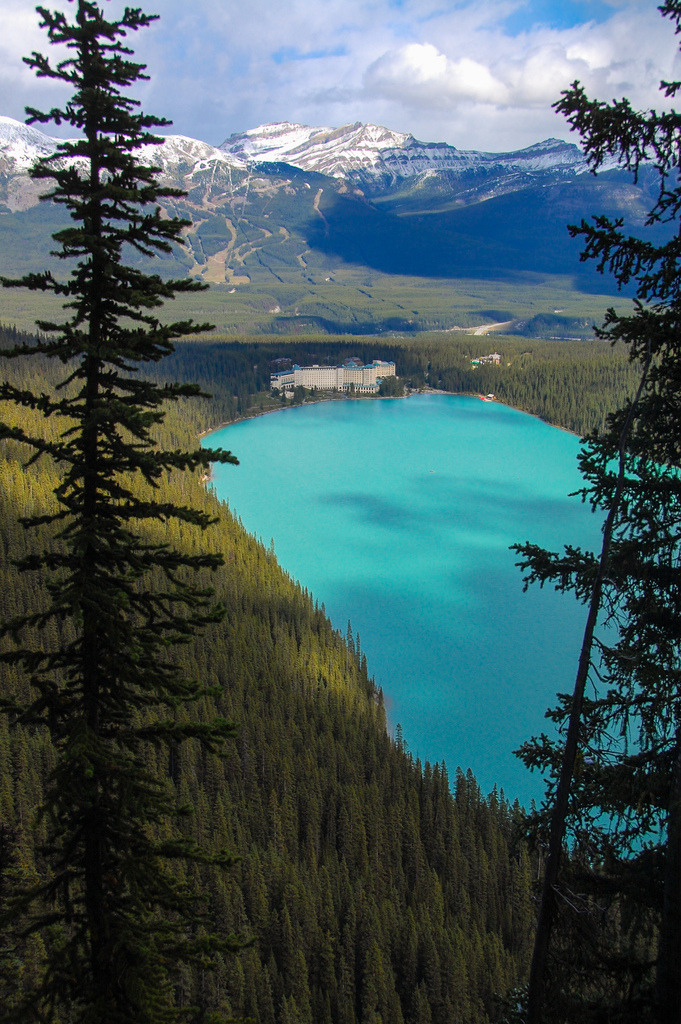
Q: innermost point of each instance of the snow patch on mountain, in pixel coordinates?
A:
(372, 156)
(372, 150)
(180, 152)
(22, 145)
(181, 161)
(271, 143)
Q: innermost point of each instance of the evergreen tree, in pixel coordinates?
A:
(117, 921)
(615, 783)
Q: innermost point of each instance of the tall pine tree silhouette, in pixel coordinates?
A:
(615, 775)
(118, 919)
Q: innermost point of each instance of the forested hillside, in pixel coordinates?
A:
(571, 384)
(371, 891)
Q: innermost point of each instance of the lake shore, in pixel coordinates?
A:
(373, 398)
(415, 553)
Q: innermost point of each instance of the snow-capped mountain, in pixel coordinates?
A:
(21, 144)
(374, 157)
(181, 151)
(180, 159)
(368, 150)
(275, 213)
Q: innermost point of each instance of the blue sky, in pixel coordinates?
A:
(479, 74)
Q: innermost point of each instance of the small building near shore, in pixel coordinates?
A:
(351, 376)
(493, 357)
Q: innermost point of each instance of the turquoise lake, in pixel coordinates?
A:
(398, 515)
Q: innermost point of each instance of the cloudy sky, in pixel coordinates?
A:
(479, 74)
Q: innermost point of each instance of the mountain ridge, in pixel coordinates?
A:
(365, 153)
(363, 150)
(292, 224)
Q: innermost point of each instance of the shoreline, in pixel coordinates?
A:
(374, 398)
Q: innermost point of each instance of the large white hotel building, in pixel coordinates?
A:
(351, 376)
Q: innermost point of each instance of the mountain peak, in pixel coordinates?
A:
(371, 152)
(22, 144)
(371, 155)
(271, 142)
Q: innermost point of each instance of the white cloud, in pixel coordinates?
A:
(19, 87)
(419, 73)
(20, 36)
(446, 72)
(629, 53)
(540, 77)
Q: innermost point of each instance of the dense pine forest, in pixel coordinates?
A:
(203, 816)
(372, 887)
(571, 384)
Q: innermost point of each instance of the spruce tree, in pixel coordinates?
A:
(615, 780)
(118, 923)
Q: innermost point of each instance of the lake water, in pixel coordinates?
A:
(398, 515)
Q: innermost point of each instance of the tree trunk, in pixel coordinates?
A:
(668, 983)
(559, 814)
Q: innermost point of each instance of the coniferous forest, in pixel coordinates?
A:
(203, 817)
(571, 384)
(371, 887)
